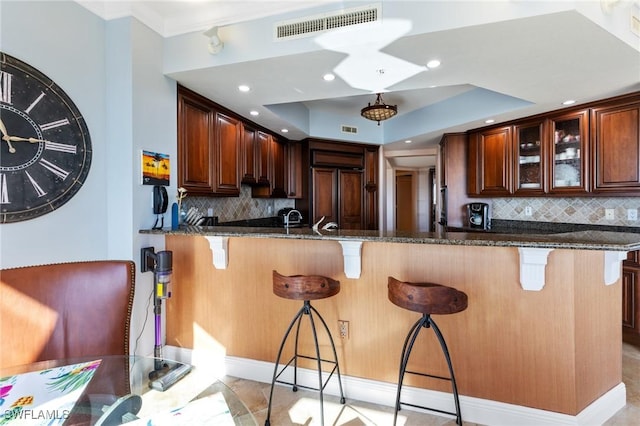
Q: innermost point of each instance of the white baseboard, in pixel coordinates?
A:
(474, 410)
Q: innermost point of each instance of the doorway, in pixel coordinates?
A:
(406, 206)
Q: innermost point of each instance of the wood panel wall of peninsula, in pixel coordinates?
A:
(558, 349)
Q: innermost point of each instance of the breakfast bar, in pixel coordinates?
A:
(540, 342)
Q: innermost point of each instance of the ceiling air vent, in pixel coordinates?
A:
(349, 129)
(303, 27)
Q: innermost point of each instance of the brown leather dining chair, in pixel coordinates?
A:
(69, 311)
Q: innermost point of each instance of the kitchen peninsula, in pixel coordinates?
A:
(540, 340)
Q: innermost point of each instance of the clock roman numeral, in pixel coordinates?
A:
(4, 192)
(54, 124)
(5, 87)
(60, 147)
(34, 103)
(39, 190)
(61, 173)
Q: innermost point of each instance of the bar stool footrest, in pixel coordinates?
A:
(435, 410)
(297, 385)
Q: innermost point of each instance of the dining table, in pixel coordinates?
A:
(116, 389)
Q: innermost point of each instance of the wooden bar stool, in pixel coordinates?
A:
(305, 288)
(428, 299)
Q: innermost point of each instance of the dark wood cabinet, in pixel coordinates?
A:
(371, 188)
(342, 184)
(593, 149)
(208, 147)
(631, 298)
(615, 133)
(248, 148)
(324, 181)
(226, 164)
(453, 180)
(338, 196)
(271, 157)
(195, 145)
(218, 150)
(530, 156)
(277, 169)
(490, 154)
(263, 149)
(568, 158)
(350, 199)
(294, 184)
(535, 157)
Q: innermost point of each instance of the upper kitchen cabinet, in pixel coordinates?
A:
(592, 149)
(270, 160)
(218, 150)
(208, 147)
(248, 148)
(569, 166)
(195, 144)
(615, 130)
(294, 170)
(262, 157)
(490, 154)
(226, 170)
(529, 167)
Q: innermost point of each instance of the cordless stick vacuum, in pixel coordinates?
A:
(163, 376)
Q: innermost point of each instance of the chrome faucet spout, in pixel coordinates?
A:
(287, 221)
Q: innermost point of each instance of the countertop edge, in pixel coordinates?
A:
(582, 240)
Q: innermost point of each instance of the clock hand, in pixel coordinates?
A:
(19, 139)
(3, 129)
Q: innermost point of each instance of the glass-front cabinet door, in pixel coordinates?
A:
(530, 158)
(569, 153)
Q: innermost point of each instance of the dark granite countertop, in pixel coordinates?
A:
(587, 239)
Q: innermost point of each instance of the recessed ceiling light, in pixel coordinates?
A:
(244, 88)
(408, 141)
(329, 77)
(489, 121)
(285, 130)
(254, 113)
(569, 102)
(434, 63)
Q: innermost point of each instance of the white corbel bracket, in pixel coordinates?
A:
(219, 248)
(352, 253)
(612, 265)
(532, 265)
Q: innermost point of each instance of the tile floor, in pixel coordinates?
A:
(301, 408)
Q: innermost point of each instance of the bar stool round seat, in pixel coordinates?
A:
(427, 299)
(305, 288)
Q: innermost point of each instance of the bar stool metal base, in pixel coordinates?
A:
(425, 322)
(311, 312)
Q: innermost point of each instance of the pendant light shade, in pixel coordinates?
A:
(379, 111)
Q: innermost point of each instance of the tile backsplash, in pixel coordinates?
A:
(585, 210)
(237, 208)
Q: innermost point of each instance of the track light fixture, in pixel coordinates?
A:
(215, 44)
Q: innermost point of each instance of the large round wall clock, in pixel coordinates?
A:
(45, 151)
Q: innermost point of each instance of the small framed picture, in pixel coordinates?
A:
(155, 168)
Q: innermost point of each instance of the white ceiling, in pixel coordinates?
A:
(500, 59)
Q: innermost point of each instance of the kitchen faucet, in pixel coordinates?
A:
(286, 218)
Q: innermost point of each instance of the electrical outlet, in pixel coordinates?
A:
(343, 326)
(528, 211)
(609, 214)
(632, 214)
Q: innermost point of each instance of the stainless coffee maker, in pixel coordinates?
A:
(478, 214)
